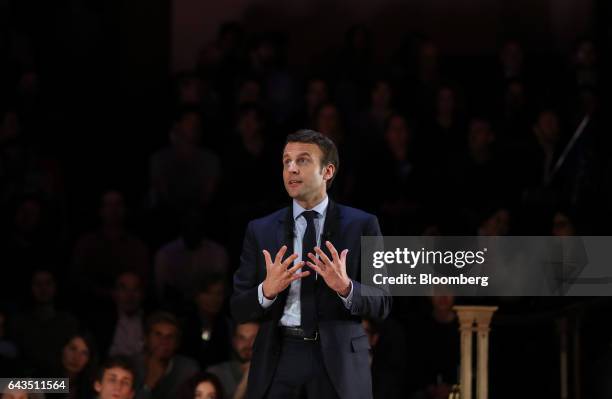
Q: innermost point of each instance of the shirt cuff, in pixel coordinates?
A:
(348, 301)
(265, 302)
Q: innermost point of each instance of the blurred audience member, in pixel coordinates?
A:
(481, 175)
(14, 394)
(397, 190)
(371, 125)
(434, 363)
(328, 121)
(78, 362)
(181, 264)
(33, 237)
(233, 374)
(494, 221)
(203, 385)
(120, 329)
(100, 256)
(115, 379)
(207, 329)
(160, 371)
(42, 329)
(184, 174)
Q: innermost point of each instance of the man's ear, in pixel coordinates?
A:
(329, 171)
(97, 386)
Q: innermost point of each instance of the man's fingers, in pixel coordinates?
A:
(315, 267)
(297, 267)
(280, 254)
(333, 251)
(343, 256)
(267, 257)
(289, 260)
(316, 260)
(323, 257)
(299, 275)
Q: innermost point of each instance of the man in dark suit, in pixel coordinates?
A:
(311, 342)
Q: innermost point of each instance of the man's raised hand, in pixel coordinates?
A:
(278, 273)
(332, 270)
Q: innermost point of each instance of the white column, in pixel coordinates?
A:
(483, 320)
(468, 316)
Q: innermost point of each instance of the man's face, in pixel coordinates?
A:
(442, 302)
(317, 93)
(117, 383)
(480, 135)
(43, 287)
(305, 180)
(210, 301)
(14, 394)
(397, 133)
(327, 120)
(249, 125)
(75, 355)
(28, 216)
(128, 293)
(162, 340)
(112, 209)
(381, 95)
(548, 126)
(243, 341)
(188, 129)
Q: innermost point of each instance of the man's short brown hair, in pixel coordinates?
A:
(162, 317)
(122, 362)
(325, 144)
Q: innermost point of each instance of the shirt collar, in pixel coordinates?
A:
(320, 208)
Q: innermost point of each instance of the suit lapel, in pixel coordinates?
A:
(285, 231)
(331, 228)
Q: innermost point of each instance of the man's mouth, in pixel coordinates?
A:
(294, 182)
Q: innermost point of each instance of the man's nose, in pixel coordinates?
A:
(292, 167)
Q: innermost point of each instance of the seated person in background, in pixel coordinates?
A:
(78, 362)
(42, 329)
(182, 263)
(101, 255)
(14, 394)
(433, 364)
(115, 379)
(120, 329)
(207, 328)
(203, 385)
(184, 173)
(234, 373)
(159, 370)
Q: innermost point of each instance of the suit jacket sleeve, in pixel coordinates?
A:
(244, 303)
(369, 301)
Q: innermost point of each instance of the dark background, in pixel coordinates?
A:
(93, 86)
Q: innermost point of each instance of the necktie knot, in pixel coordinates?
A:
(309, 216)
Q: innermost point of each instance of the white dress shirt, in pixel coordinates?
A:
(291, 314)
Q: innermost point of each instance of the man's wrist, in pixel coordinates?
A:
(346, 291)
(263, 291)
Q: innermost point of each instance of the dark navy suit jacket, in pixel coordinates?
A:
(344, 343)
